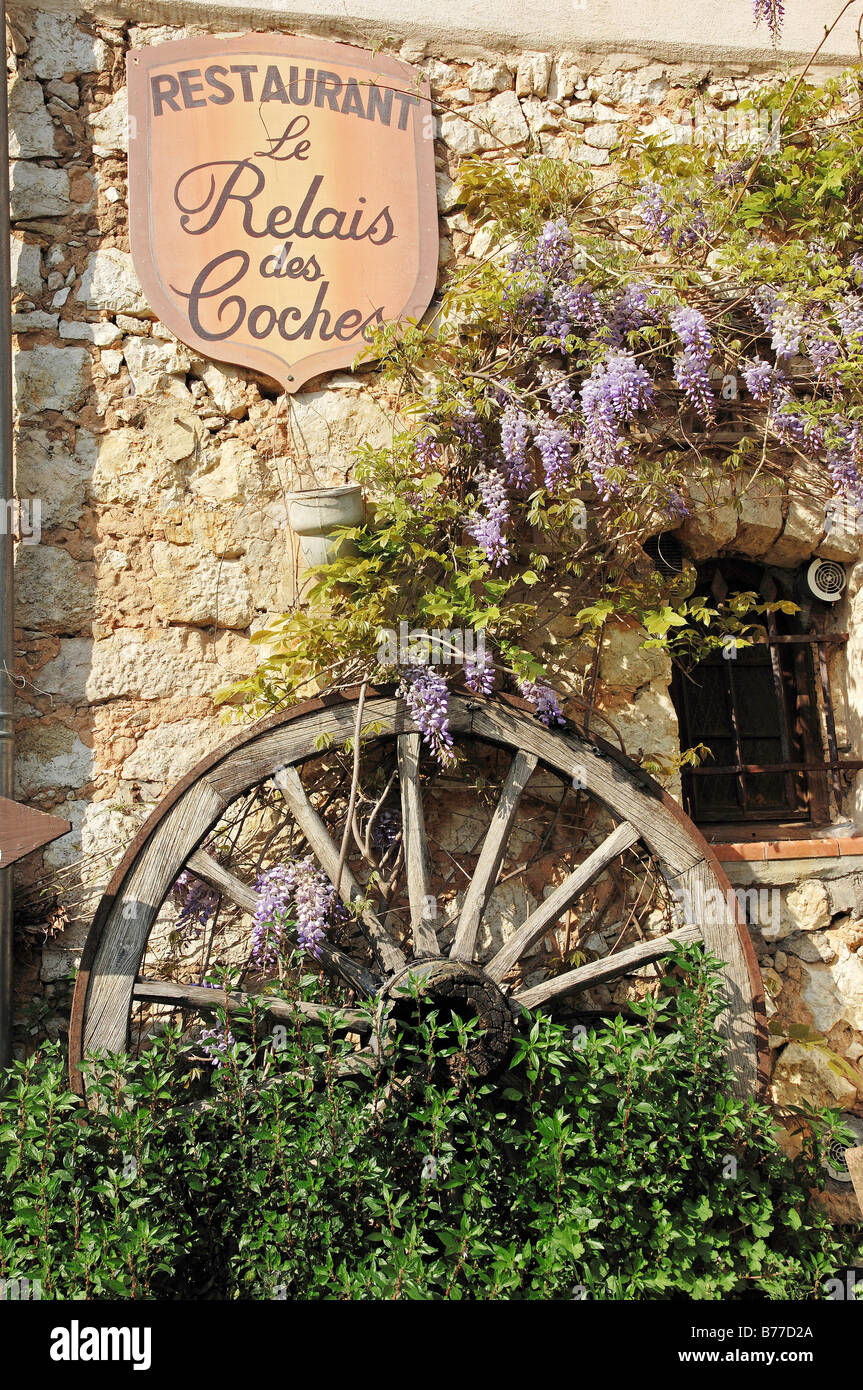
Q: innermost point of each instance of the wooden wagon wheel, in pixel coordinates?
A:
(495, 973)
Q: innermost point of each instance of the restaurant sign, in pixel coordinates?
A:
(282, 197)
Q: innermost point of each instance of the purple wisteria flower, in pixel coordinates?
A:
(427, 697)
(765, 301)
(733, 173)
(487, 526)
(855, 268)
(197, 903)
(299, 892)
(821, 346)
(773, 13)
(479, 673)
(692, 377)
(692, 330)
(216, 1042)
(787, 328)
(758, 379)
(545, 700)
(554, 245)
(386, 829)
(676, 507)
(630, 311)
(427, 450)
(570, 307)
(515, 432)
(555, 450)
(789, 424)
(844, 461)
(657, 216)
(466, 427)
(653, 210)
(561, 396)
(617, 388)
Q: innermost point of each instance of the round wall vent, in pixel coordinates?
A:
(833, 1158)
(826, 580)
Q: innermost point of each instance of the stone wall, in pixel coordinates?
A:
(163, 476)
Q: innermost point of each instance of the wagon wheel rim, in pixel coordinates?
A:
(110, 985)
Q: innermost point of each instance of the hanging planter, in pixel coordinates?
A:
(315, 515)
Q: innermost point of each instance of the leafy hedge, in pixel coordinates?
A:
(605, 1164)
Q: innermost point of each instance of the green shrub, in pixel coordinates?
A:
(605, 1164)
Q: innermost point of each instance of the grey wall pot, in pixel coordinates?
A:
(315, 514)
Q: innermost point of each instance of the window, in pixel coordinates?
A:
(766, 715)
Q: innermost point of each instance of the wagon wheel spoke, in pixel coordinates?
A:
(203, 999)
(491, 856)
(599, 972)
(551, 908)
(425, 940)
(389, 955)
(335, 961)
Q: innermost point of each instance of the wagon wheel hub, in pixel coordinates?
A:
(458, 989)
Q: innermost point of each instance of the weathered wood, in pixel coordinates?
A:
(703, 901)
(550, 909)
(272, 749)
(600, 776)
(215, 875)
(491, 856)
(599, 972)
(326, 852)
(199, 997)
(333, 960)
(121, 950)
(416, 845)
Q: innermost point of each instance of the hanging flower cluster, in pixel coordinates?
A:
(690, 366)
(197, 903)
(427, 696)
(545, 700)
(773, 13)
(479, 673)
(297, 894)
(488, 523)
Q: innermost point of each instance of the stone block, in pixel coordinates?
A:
(26, 261)
(812, 1074)
(49, 378)
(164, 754)
(194, 586)
(59, 48)
(532, 74)
(48, 756)
(110, 283)
(109, 125)
(37, 192)
(31, 130)
(52, 591)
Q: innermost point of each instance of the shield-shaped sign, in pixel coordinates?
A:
(282, 197)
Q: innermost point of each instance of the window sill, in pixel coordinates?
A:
(761, 850)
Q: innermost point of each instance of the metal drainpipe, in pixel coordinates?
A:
(7, 555)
